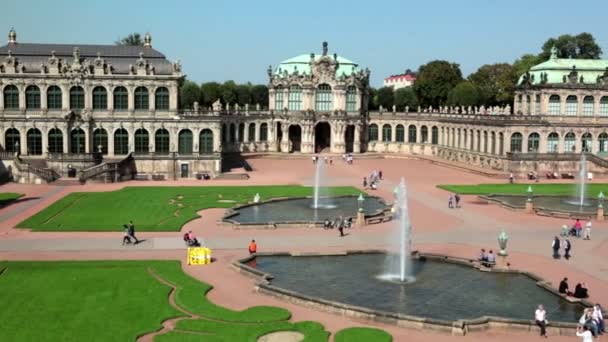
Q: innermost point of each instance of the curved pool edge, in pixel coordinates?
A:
(539, 210)
(458, 327)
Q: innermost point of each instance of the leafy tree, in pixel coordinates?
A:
(228, 92)
(259, 95)
(435, 80)
(385, 97)
(405, 97)
(210, 92)
(371, 103)
(582, 46)
(465, 93)
(496, 83)
(525, 62)
(133, 39)
(243, 94)
(189, 93)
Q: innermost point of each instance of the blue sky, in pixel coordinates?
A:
(223, 40)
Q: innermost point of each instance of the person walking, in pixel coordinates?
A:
(555, 245)
(253, 247)
(540, 316)
(126, 239)
(132, 232)
(587, 231)
(341, 229)
(457, 199)
(578, 227)
(364, 182)
(567, 248)
(451, 202)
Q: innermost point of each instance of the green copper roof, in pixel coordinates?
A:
(301, 63)
(557, 68)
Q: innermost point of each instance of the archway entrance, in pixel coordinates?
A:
(279, 136)
(295, 137)
(322, 136)
(349, 138)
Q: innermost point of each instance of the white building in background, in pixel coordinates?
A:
(400, 81)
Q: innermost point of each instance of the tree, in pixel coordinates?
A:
(495, 82)
(385, 97)
(525, 62)
(243, 94)
(371, 103)
(581, 46)
(435, 80)
(133, 39)
(210, 92)
(405, 97)
(465, 93)
(228, 92)
(259, 95)
(189, 92)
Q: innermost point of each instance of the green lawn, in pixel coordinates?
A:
(152, 208)
(121, 300)
(8, 197)
(520, 189)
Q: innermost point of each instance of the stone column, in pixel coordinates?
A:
(66, 138)
(562, 105)
(544, 104)
(110, 99)
(357, 139)
(152, 100)
(45, 140)
(87, 137)
(579, 105)
(173, 95)
(217, 141)
(131, 106)
(22, 106)
(271, 99)
(285, 138)
(65, 98)
(43, 100)
(524, 143)
(246, 133)
(111, 141)
(88, 97)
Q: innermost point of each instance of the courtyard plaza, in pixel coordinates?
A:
(436, 229)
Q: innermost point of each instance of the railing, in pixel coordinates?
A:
(515, 156)
(7, 155)
(86, 157)
(49, 175)
(176, 155)
(104, 168)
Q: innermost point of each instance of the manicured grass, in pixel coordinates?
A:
(520, 189)
(152, 208)
(8, 197)
(362, 335)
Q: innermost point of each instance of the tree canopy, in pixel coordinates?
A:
(581, 46)
(405, 97)
(435, 80)
(495, 82)
(465, 93)
(189, 93)
(133, 39)
(385, 97)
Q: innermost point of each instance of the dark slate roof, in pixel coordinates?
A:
(32, 49)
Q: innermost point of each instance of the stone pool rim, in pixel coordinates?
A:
(458, 327)
(233, 212)
(538, 210)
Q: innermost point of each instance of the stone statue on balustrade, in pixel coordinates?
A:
(217, 106)
(508, 109)
(394, 109)
(407, 109)
(195, 106)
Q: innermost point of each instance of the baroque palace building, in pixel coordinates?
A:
(106, 112)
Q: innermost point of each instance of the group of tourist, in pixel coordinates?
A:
(191, 240)
(454, 201)
(339, 223)
(591, 323)
(487, 259)
(580, 290)
(347, 158)
(328, 160)
(374, 178)
(565, 244)
(129, 234)
(577, 230)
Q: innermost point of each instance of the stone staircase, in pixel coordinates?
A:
(67, 181)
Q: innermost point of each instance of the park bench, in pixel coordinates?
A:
(158, 177)
(141, 177)
(567, 176)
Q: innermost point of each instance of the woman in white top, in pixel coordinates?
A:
(540, 316)
(588, 231)
(584, 333)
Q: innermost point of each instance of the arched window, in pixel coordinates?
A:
(121, 98)
(570, 142)
(587, 142)
(77, 141)
(387, 132)
(264, 132)
(516, 139)
(142, 100)
(32, 97)
(501, 143)
(100, 140)
(603, 140)
(185, 142)
(54, 97)
(161, 99)
(142, 141)
(12, 140)
(34, 142)
(224, 133)
(571, 105)
(412, 134)
(278, 98)
(485, 141)
(603, 106)
(465, 134)
(537, 104)
(424, 134)
(554, 105)
(372, 132)
(552, 142)
(55, 141)
(400, 133)
(161, 141)
(351, 98)
(479, 141)
(434, 135)
(528, 104)
(100, 98)
(493, 143)
(76, 98)
(251, 132)
(323, 98)
(206, 140)
(295, 98)
(121, 141)
(11, 97)
(588, 105)
(533, 142)
(241, 132)
(472, 140)
(232, 137)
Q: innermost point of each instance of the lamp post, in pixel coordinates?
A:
(360, 211)
(530, 193)
(503, 238)
(600, 199)
(360, 201)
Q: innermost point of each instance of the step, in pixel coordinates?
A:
(65, 181)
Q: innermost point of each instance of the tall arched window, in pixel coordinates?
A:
(241, 132)
(351, 98)
(554, 105)
(387, 132)
(206, 141)
(434, 135)
(479, 141)
(501, 143)
(603, 110)
(55, 141)
(295, 98)
(278, 98)
(372, 132)
(400, 133)
(161, 99)
(34, 142)
(225, 136)
(424, 134)
(533, 142)
(570, 142)
(121, 141)
(516, 139)
(54, 97)
(251, 132)
(77, 141)
(76, 98)
(587, 142)
(12, 140)
(537, 104)
(232, 132)
(142, 100)
(528, 104)
(571, 105)
(32, 97)
(493, 143)
(485, 141)
(552, 142)
(412, 133)
(100, 98)
(588, 103)
(161, 141)
(142, 141)
(121, 98)
(323, 98)
(603, 140)
(100, 140)
(11, 97)
(185, 142)
(264, 132)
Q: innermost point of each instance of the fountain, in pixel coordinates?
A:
(320, 198)
(581, 187)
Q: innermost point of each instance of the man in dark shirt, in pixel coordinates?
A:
(563, 287)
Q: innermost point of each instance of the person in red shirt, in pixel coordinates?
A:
(253, 247)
